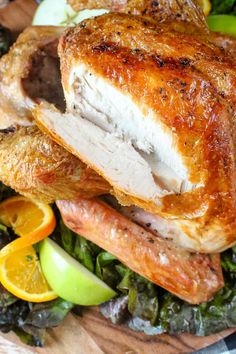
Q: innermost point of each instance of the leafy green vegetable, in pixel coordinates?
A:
(140, 304)
(223, 7)
(5, 40)
(78, 247)
(35, 337)
(106, 269)
(6, 299)
(142, 296)
(5, 192)
(29, 321)
(48, 314)
(176, 316)
(228, 261)
(6, 235)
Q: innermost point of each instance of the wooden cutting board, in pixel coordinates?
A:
(92, 334)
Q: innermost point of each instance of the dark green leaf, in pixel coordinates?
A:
(36, 337)
(103, 259)
(177, 316)
(116, 310)
(67, 238)
(142, 296)
(6, 299)
(223, 7)
(228, 261)
(14, 315)
(78, 247)
(83, 253)
(48, 314)
(5, 40)
(106, 269)
(5, 192)
(140, 325)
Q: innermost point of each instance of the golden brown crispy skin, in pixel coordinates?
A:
(35, 166)
(226, 43)
(161, 10)
(15, 102)
(191, 86)
(193, 277)
(31, 163)
(187, 16)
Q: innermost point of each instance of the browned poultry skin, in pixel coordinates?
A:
(187, 14)
(15, 74)
(226, 43)
(31, 163)
(191, 85)
(35, 166)
(160, 11)
(193, 277)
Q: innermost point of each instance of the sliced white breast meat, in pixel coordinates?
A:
(124, 123)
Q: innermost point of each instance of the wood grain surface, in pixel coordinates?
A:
(92, 334)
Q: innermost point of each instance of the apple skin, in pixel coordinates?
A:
(69, 279)
(61, 14)
(222, 23)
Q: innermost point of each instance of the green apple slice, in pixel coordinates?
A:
(69, 279)
(59, 13)
(222, 23)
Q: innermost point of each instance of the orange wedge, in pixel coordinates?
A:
(20, 274)
(29, 219)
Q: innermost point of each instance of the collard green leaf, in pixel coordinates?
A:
(228, 261)
(6, 299)
(5, 192)
(6, 236)
(223, 6)
(83, 253)
(140, 325)
(48, 314)
(177, 316)
(116, 310)
(106, 269)
(5, 40)
(78, 247)
(33, 336)
(14, 315)
(142, 296)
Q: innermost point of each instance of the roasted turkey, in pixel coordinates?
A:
(149, 107)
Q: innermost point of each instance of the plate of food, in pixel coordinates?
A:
(117, 165)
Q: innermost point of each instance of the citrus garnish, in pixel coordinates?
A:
(21, 274)
(29, 219)
(206, 6)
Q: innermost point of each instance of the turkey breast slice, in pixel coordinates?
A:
(96, 147)
(93, 98)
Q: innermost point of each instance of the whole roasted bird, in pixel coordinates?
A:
(152, 110)
(148, 108)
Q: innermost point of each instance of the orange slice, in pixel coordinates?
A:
(29, 219)
(20, 274)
